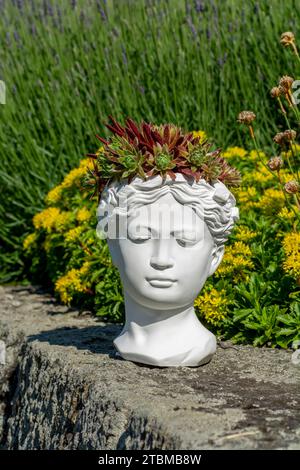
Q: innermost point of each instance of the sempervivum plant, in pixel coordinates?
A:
(147, 150)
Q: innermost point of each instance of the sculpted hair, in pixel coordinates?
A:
(214, 203)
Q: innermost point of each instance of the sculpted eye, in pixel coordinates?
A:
(186, 238)
(185, 243)
(139, 239)
(139, 236)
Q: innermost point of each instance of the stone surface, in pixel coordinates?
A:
(63, 387)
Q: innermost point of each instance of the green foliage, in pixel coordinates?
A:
(262, 294)
(255, 316)
(289, 331)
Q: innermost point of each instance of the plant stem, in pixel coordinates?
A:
(257, 150)
(281, 106)
(293, 106)
(297, 201)
(289, 127)
(295, 51)
(295, 161)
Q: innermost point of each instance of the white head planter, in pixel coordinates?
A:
(166, 237)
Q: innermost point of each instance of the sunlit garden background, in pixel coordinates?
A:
(67, 65)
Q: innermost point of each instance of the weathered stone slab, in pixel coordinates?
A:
(63, 387)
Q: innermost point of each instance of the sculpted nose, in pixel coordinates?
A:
(161, 258)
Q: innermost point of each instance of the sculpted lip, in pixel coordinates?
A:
(160, 282)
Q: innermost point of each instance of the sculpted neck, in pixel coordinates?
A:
(154, 319)
(164, 337)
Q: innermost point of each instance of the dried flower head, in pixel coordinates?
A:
(283, 138)
(279, 138)
(246, 117)
(285, 83)
(292, 187)
(290, 135)
(275, 163)
(275, 92)
(287, 38)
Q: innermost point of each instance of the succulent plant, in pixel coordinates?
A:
(146, 150)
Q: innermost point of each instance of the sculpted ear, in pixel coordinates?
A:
(217, 255)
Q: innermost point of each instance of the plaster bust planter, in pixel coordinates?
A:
(172, 241)
(166, 213)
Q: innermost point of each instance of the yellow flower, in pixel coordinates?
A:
(73, 234)
(54, 196)
(260, 176)
(291, 247)
(246, 197)
(201, 134)
(68, 285)
(239, 152)
(295, 149)
(63, 221)
(46, 219)
(234, 152)
(52, 219)
(85, 268)
(236, 260)
(83, 215)
(286, 176)
(71, 283)
(86, 163)
(101, 149)
(244, 234)
(286, 214)
(71, 179)
(29, 241)
(291, 243)
(271, 201)
(74, 177)
(254, 156)
(212, 305)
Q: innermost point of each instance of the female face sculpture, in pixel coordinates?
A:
(166, 238)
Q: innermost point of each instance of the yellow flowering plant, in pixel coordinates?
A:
(64, 251)
(271, 193)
